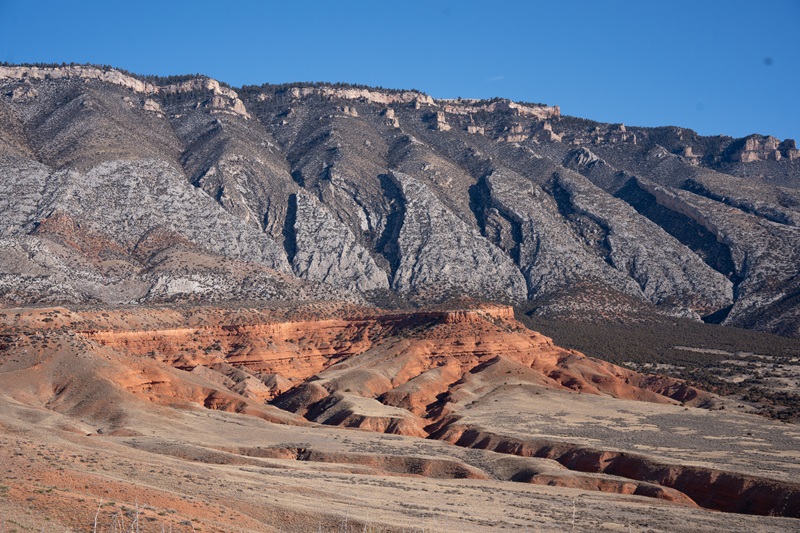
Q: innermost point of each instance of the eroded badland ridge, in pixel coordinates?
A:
(219, 418)
(312, 307)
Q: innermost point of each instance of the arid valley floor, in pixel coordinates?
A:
(151, 419)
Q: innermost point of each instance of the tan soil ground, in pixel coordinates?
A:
(86, 426)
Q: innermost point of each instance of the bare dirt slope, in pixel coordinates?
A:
(172, 415)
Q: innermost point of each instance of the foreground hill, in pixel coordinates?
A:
(120, 189)
(340, 417)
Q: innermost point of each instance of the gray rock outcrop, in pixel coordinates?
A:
(551, 256)
(440, 255)
(121, 189)
(326, 250)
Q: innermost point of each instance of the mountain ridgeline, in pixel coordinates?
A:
(118, 189)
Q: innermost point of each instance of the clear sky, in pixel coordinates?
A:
(720, 67)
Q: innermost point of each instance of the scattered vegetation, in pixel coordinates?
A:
(185, 97)
(283, 87)
(147, 78)
(724, 360)
(657, 342)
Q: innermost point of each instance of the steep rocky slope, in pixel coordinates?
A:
(121, 189)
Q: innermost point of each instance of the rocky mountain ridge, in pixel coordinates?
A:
(122, 189)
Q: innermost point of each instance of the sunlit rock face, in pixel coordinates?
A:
(117, 188)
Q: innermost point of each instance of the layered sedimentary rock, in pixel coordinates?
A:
(325, 250)
(759, 148)
(440, 254)
(388, 372)
(313, 189)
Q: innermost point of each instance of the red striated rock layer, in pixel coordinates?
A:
(424, 363)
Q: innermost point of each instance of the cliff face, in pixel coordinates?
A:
(201, 191)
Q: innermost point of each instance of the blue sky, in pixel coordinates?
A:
(719, 67)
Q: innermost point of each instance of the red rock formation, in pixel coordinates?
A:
(407, 360)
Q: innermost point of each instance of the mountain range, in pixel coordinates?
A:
(120, 189)
(328, 307)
